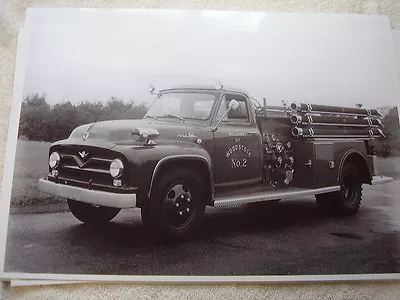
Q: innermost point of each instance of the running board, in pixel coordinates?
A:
(380, 179)
(287, 193)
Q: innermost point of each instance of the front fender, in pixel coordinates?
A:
(146, 161)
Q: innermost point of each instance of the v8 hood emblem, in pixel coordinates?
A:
(83, 154)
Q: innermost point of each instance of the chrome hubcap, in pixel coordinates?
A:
(179, 205)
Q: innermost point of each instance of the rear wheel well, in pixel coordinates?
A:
(359, 161)
(194, 164)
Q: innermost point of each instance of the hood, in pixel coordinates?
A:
(118, 132)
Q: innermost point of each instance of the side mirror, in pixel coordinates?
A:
(233, 105)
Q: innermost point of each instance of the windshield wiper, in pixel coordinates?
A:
(172, 116)
(150, 116)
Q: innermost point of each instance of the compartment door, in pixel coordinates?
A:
(325, 170)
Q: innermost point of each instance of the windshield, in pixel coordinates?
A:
(183, 105)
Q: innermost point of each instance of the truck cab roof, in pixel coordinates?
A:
(205, 87)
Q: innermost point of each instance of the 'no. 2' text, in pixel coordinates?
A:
(239, 163)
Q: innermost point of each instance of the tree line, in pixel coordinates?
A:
(391, 144)
(40, 121)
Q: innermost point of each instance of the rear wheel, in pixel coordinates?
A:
(347, 201)
(92, 214)
(177, 204)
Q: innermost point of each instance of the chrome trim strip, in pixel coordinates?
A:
(161, 161)
(272, 195)
(380, 179)
(86, 169)
(101, 159)
(88, 196)
(81, 164)
(239, 182)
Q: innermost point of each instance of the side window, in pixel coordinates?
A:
(241, 115)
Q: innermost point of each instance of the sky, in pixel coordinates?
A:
(94, 54)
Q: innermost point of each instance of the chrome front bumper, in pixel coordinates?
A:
(88, 196)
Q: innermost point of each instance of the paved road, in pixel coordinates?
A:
(290, 237)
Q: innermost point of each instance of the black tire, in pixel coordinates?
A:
(347, 201)
(91, 214)
(177, 204)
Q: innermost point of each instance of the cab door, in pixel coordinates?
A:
(237, 144)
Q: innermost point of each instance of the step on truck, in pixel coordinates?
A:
(214, 146)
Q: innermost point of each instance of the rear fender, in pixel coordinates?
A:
(355, 156)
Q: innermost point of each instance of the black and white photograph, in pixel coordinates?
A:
(204, 145)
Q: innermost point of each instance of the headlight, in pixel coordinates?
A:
(54, 160)
(116, 168)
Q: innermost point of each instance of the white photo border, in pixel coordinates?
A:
(46, 278)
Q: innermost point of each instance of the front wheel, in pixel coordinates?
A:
(92, 214)
(347, 201)
(177, 205)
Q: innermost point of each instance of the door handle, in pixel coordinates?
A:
(309, 163)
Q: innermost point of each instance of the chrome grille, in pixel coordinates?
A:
(90, 169)
(92, 164)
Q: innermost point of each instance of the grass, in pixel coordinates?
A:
(389, 166)
(31, 164)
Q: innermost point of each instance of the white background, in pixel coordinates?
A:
(87, 54)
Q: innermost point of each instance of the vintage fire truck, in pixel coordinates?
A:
(214, 146)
